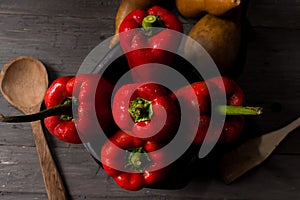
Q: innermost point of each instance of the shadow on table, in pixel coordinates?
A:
(189, 169)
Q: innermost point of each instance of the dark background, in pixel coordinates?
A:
(62, 33)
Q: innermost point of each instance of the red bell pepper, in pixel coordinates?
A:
(91, 94)
(61, 126)
(88, 94)
(196, 98)
(143, 43)
(147, 110)
(133, 167)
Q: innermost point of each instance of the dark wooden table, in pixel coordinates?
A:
(62, 33)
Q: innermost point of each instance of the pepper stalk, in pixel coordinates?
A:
(62, 109)
(239, 110)
(140, 109)
(152, 21)
(137, 159)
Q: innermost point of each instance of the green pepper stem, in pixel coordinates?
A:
(62, 109)
(239, 110)
(148, 21)
(140, 109)
(137, 159)
(152, 21)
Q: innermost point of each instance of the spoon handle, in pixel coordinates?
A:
(53, 182)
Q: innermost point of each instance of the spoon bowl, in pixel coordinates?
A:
(23, 83)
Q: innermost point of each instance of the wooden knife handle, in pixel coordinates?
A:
(54, 185)
(253, 152)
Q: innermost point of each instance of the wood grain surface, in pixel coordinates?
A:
(62, 33)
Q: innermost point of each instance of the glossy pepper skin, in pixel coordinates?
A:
(62, 127)
(91, 95)
(197, 98)
(133, 168)
(147, 110)
(233, 125)
(144, 45)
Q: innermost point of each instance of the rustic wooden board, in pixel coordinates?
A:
(85, 179)
(62, 33)
(80, 8)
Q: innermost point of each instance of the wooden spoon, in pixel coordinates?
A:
(253, 152)
(23, 83)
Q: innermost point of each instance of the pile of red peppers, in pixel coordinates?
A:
(147, 114)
